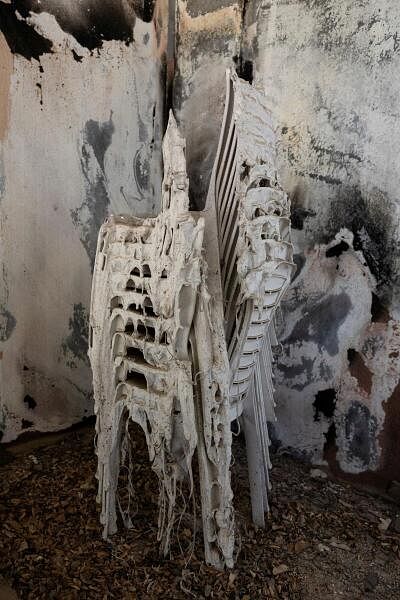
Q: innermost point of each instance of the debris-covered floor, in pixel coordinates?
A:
(323, 540)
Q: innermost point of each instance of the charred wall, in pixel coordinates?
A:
(328, 69)
(82, 93)
(81, 108)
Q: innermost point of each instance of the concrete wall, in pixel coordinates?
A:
(79, 140)
(81, 110)
(330, 70)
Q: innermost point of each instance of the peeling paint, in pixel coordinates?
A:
(359, 370)
(371, 221)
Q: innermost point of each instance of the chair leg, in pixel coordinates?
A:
(255, 468)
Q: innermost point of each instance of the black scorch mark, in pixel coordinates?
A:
(337, 249)
(324, 404)
(90, 22)
(22, 38)
(371, 221)
(30, 402)
(298, 213)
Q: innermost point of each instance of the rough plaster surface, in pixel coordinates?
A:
(329, 70)
(80, 138)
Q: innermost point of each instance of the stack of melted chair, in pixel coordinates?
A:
(182, 325)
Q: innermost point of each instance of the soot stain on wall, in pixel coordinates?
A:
(2, 421)
(76, 344)
(90, 22)
(99, 136)
(7, 324)
(337, 249)
(328, 164)
(202, 141)
(298, 215)
(2, 179)
(90, 215)
(144, 9)
(292, 371)
(371, 222)
(360, 432)
(320, 323)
